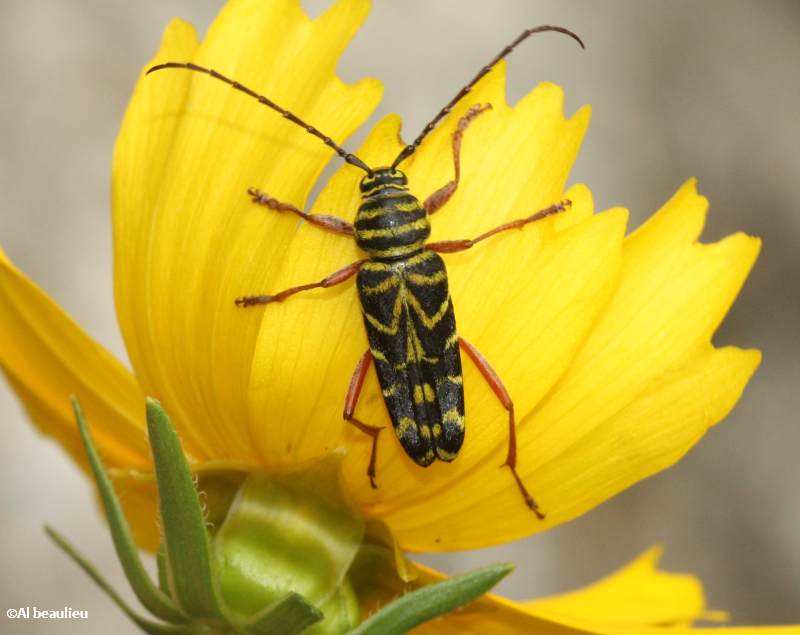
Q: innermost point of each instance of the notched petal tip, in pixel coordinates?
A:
(352, 12)
(638, 594)
(583, 115)
(178, 37)
(177, 34)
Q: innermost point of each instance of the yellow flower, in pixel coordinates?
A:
(602, 339)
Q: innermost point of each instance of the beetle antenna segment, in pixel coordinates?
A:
(409, 149)
(350, 158)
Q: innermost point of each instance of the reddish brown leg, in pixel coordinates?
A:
(449, 246)
(350, 403)
(331, 223)
(335, 278)
(437, 200)
(502, 394)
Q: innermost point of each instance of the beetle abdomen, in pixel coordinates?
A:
(411, 328)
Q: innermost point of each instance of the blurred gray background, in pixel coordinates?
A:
(682, 88)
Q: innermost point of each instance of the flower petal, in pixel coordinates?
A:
(198, 241)
(141, 163)
(309, 345)
(638, 599)
(47, 357)
(638, 594)
(641, 391)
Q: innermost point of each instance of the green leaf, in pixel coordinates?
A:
(148, 627)
(149, 595)
(432, 601)
(185, 535)
(290, 615)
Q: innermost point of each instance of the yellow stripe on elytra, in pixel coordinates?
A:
(378, 355)
(391, 390)
(421, 257)
(423, 393)
(381, 287)
(397, 230)
(404, 298)
(429, 321)
(458, 380)
(453, 416)
(422, 280)
(424, 255)
(404, 425)
(414, 349)
(390, 329)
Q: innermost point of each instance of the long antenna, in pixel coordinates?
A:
(350, 158)
(409, 149)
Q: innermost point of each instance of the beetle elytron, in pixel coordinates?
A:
(402, 285)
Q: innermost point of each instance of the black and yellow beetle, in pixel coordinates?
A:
(402, 285)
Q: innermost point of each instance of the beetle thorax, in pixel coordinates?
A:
(391, 222)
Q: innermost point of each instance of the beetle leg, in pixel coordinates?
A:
(337, 277)
(502, 394)
(437, 200)
(332, 223)
(350, 403)
(450, 246)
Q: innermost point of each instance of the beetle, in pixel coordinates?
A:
(402, 285)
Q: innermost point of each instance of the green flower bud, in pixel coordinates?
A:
(286, 533)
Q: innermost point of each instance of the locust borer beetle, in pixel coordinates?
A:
(402, 286)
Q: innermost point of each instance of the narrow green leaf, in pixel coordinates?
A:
(147, 626)
(185, 535)
(149, 595)
(290, 615)
(432, 601)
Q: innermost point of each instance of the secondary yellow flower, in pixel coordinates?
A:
(637, 599)
(602, 340)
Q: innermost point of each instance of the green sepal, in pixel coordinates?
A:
(163, 569)
(432, 601)
(152, 598)
(147, 626)
(191, 578)
(290, 615)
